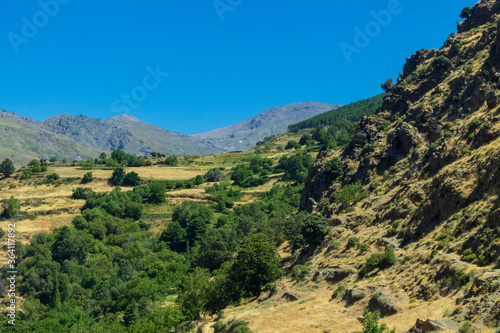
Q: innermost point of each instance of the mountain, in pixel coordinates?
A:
(23, 139)
(422, 176)
(246, 134)
(128, 133)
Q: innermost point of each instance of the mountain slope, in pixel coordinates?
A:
(23, 139)
(127, 133)
(247, 133)
(352, 112)
(429, 163)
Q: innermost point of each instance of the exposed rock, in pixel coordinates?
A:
(290, 297)
(426, 326)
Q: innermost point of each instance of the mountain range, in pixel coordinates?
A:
(80, 137)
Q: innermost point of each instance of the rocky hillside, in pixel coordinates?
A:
(23, 139)
(127, 133)
(428, 167)
(246, 134)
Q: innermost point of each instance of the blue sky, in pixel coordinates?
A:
(192, 66)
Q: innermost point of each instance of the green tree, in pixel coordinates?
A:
(7, 168)
(87, 178)
(370, 323)
(350, 194)
(255, 265)
(466, 12)
(175, 237)
(157, 192)
(171, 160)
(53, 160)
(314, 228)
(335, 168)
(387, 85)
(213, 175)
(11, 208)
(131, 179)
(118, 155)
(117, 176)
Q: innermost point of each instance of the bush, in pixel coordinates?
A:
(213, 175)
(171, 160)
(53, 176)
(83, 193)
(87, 178)
(379, 260)
(117, 176)
(11, 207)
(335, 168)
(292, 144)
(7, 168)
(350, 194)
(131, 179)
(334, 246)
(299, 272)
(314, 228)
(466, 12)
(351, 242)
(370, 323)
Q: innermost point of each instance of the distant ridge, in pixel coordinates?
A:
(246, 134)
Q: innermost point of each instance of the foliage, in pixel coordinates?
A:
(232, 326)
(53, 176)
(314, 228)
(255, 265)
(350, 194)
(83, 193)
(296, 166)
(335, 168)
(466, 12)
(7, 168)
(213, 175)
(370, 323)
(379, 260)
(171, 160)
(387, 85)
(300, 272)
(348, 113)
(157, 192)
(292, 145)
(131, 179)
(87, 178)
(11, 207)
(117, 176)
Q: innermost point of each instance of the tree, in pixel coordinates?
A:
(350, 194)
(171, 160)
(214, 175)
(466, 12)
(53, 160)
(255, 265)
(118, 155)
(335, 168)
(87, 178)
(387, 85)
(11, 208)
(117, 176)
(175, 237)
(157, 192)
(7, 168)
(292, 144)
(370, 323)
(131, 179)
(314, 228)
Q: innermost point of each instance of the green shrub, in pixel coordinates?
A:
(350, 194)
(339, 291)
(53, 176)
(300, 272)
(351, 242)
(171, 160)
(87, 178)
(334, 246)
(335, 168)
(370, 323)
(83, 193)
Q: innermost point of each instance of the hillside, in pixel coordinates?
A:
(352, 112)
(246, 134)
(127, 133)
(22, 139)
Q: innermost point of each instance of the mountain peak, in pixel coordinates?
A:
(124, 117)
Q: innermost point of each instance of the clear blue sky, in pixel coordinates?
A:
(224, 64)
